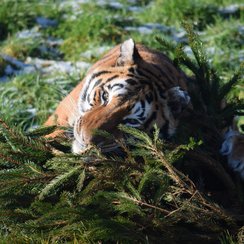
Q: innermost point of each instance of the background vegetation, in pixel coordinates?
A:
(50, 198)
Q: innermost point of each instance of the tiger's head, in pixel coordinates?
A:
(138, 88)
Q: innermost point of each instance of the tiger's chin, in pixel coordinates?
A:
(78, 148)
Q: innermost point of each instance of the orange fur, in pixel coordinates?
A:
(118, 61)
(109, 60)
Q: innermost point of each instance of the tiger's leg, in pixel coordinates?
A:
(65, 113)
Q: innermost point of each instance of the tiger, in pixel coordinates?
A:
(233, 148)
(131, 85)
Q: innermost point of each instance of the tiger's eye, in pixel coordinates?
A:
(105, 97)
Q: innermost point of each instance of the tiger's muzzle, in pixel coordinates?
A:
(88, 129)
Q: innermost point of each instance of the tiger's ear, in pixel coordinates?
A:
(129, 54)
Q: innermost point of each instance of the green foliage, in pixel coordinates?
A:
(28, 99)
(208, 93)
(201, 13)
(15, 16)
(18, 49)
(142, 197)
(88, 26)
(90, 198)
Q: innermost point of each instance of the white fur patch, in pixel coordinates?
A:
(137, 110)
(235, 163)
(226, 147)
(84, 105)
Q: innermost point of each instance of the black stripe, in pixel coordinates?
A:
(149, 97)
(85, 93)
(164, 74)
(95, 94)
(92, 77)
(141, 114)
(131, 82)
(238, 165)
(99, 74)
(149, 74)
(138, 109)
(151, 118)
(142, 104)
(111, 78)
(131, 121)
(163, 79)
(97, 83)
(131, 70)
(118, 84)
(145, 75)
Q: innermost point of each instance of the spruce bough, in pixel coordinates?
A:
(140, 197)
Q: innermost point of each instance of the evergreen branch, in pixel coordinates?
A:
(225, 89)
(57, 181)
(215, 87)
(145, 204)
(197, 48)
(169, 45)
(35, 169)
(81, 180)
(42, 131)
(174, 174)
(183, 59)
(133, 190)
(9, 159)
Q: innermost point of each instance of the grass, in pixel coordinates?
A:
(78, 33)
(27, 99)
(17, 15)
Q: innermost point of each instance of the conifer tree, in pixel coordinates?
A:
(140, 197)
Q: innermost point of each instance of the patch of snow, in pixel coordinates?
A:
(211, 50)
(13, 61)
(74, 5)
(118, 6)
(74, 15)
(231, 9)
(16, 67)
(45, 22)
(94, 52)
(132, 1)
(214, 50)
(149, 28)
(115, 5)
(29, 33)
(52, 66)
(4, 78)
(135, 9)
(157, 26)
(49, 51)
(32, 111)
(241, 30)
(188, 50)
(54, 41)
(241, 55)
(179, 36)
(9, 70)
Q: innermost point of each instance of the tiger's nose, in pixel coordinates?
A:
(81, 139)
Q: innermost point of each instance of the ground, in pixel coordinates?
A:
(46, 47)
